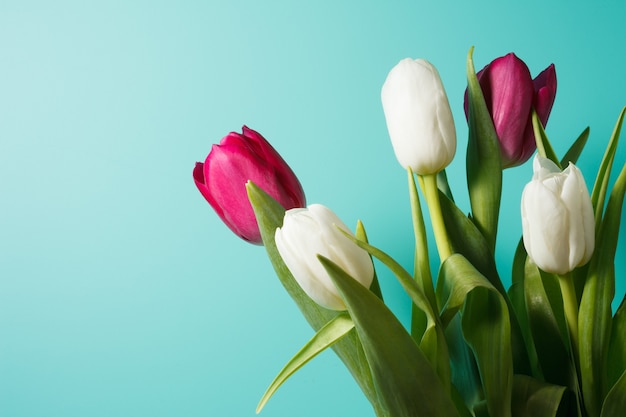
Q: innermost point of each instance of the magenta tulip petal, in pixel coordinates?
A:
(240, 158)
(510, 94)
(545, 93)
(510, 103)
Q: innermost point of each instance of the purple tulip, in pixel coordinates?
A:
(511, 94)
(222, 180)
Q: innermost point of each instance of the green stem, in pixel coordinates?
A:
(422, 273)
(570, 305)
(436, 216)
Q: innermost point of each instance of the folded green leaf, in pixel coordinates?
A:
(328, 335)
(269, 215)
(486, 327)
(466, 239)
(465, 374)
(484, 165)
(405, 380)
(534, 398)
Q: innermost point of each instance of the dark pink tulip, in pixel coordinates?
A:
(222, 180)
(511, 94)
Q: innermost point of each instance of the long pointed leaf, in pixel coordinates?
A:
(601, 184)
(573, 153)
(595, 308)
(328, 335)
(432, 340)
(544, 148)
(484, 165)
(361, 235)
(404, 378)
(270, 214)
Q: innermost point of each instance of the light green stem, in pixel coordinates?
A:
(436, 216)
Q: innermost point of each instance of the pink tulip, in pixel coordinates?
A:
(511, 94)
(222, 180)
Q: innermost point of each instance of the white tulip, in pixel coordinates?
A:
(557, 218)
(308, 232)
(418, 115)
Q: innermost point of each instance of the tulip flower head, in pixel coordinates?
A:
(419, 119)
(308, 232)
(510, 94)
(557, 218)
(223, 176)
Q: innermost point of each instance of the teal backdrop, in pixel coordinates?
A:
(121, 292)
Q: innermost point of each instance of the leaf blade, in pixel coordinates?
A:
(328, 335)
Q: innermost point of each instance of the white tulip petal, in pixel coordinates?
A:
(307, 233)
(418, 115)
(557, 218)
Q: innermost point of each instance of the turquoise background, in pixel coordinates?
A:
(121, 293)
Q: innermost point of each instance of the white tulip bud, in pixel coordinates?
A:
(308, 232)
(557, 218)
(418, 117)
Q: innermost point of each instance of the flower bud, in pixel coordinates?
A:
(419, 119)
(223, 176)
(313, 231)
(557, 218)
(510, 94)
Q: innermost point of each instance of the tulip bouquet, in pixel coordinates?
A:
(550, 345)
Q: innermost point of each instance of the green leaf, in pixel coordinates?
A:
(443, 185)
(617, 345)
(486, 327)
(548, 338)
(595, 308)
(406, 382)
(615, 402)
(466, 239)
(533, 398)
(601, 184)
(269, 215)
(328, 335)
(484, 165)
(432, 341)
(465, 374)
(361, 235)
(544, 148)
(576, 149)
